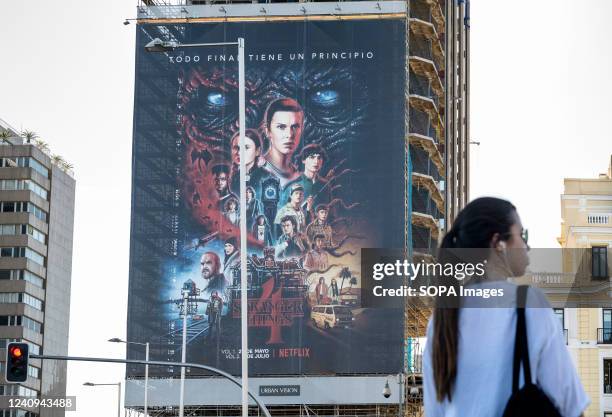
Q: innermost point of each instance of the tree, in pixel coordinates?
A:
(61, 163)
(42, 145)
(5, 136)
(57, 159)
(344, 274)
(29, 135)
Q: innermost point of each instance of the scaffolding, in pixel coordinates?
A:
(437, 180)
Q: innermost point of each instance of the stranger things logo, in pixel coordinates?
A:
(271, 310)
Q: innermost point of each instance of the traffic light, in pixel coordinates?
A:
(17, 362)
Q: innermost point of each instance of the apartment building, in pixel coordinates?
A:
(586, 234)
(36, 229)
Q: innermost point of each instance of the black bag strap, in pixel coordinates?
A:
(521, 345)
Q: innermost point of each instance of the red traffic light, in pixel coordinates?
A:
(15, 351)
(17, 362)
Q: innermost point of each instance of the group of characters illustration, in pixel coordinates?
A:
(290, 208)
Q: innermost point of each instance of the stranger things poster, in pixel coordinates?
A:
(326, 166)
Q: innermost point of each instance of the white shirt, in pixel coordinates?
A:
(486, 347)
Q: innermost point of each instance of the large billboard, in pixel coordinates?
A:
(326, 161)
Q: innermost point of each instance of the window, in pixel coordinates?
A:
(24, 161)
(33, 372)
(33, 325)
(8, 207)
(31, 301)
(8, 229)
(23, 206)
(37, 211)
(32, 278)
(36, 189)
(24, 185)
(20, 274)
(597, 219)
(21, 252)
(607, 372)
(19, 297)
(38, 167)
(19, 320)
(26, 229)
(560, 314)
(599, 261)
(9, 297)
(23, 229)
(10, 320)
(606, 336)
(17, 413)
(34, 256)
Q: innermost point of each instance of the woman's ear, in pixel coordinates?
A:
(497, 244)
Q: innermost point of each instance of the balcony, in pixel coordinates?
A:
(604, 336)
(423, 242)
(422, 85)
(423, 164)
(427, 68)
(422, 25)
(437, 15)
(426, 144)
(422, 202)
(426, 182)
(427, 221)
(427, 105)
(420, 123)
(421, 46)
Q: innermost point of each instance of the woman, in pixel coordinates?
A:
(468, 358)
(230, 211)
(254, 207)
(252, 152)
(261, 231)
(284, 123)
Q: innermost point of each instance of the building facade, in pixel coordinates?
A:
(436, 130)
(36, 229)
(586, 233)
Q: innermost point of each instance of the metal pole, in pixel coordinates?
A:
(466, 22)
(448, 116)
(146, 389)
(119, 399)
(158, 363)
(401, 394)
(243, 234)
(183, 353)
(461, 81)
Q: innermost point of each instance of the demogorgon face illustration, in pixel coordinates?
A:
(335, 101)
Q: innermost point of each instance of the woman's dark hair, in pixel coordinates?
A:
(473, 228)
(251, 134)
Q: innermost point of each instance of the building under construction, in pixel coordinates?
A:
(436, 129)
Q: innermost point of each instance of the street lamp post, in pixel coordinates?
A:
(183, 352)
(157, 45)
(387, 390)
(146, 382)
(91, 384)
